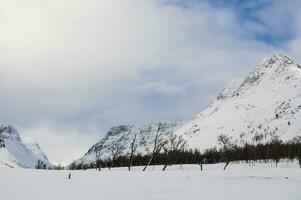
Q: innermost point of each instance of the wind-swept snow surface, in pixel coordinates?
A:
(239, 181)
(266, 104)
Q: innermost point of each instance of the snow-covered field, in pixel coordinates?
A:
(239, 181)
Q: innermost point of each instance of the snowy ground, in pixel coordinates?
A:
(239, 181)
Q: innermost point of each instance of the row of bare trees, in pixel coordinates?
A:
(167, 149)
(274, 150)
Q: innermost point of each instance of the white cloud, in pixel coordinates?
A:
(160, 87)
(60, 59)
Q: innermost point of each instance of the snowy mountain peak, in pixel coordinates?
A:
(271, 67)
(8, 132)
(117, 129)
(266, 104)
(278, 69)
(15, 153)
(277, 60)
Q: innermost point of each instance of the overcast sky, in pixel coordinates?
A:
(71, 69)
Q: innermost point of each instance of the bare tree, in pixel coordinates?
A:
(299, 156)
(40, 165)
(227, 147)
(133, 148)
(98, 163)
(158, 143)
(296, 141)
(116, 149)
(2, 144)
(275, 149)
(71, 167)
(174, 143)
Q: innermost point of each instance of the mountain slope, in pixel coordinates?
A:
(7, 160)
(122, 136)
(265, 105)
(15, 153)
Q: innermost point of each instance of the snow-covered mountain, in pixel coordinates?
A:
(120, 138)
(14, 153)
(267, 103)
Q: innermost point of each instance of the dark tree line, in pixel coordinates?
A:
(2, 144)
(40, 165)
(229, 151)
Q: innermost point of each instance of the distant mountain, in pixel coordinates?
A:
(14, 153)
(266, 104)
(121, 137)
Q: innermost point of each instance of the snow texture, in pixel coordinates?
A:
(239, 181)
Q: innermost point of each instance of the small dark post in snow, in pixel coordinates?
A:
(69, 176)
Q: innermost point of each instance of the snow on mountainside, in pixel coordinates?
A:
(7, 160)
(266, 104)
(123, 135)
(14, 153)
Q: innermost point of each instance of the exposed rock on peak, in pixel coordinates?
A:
(9, 132)
(278, 59)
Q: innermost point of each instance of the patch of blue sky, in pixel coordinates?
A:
(247, 12)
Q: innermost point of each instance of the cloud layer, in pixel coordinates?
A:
(71, 69)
